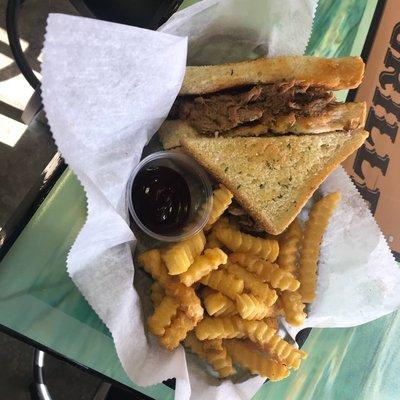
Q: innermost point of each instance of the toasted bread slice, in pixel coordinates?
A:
(172, 131)
(273, 177)
(332, 73)
(346, 116)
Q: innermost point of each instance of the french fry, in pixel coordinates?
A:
(218, 357)
(252, 284)
(259, 332)
(289, 246)
(219, 305)
(275, 310)
(163, 315)
(222, 197)
(224, 222)
(157, 293)
(152, 263)
(285, 352)
(180, 256)
(218, 328)
(177, 331)
(242, 242)
(195, 345)
(293, 308)
(221, 362)
(224, 282)
(246, 356)
(188, 299)
(250, 307)
(266, 271)
(272, 322)
(212, 241)
(275, 250)
(316, 225)
(203, 265)
(212, 344)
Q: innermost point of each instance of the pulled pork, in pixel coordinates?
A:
(220, 112)
(244, 220)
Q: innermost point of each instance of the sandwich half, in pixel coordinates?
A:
(265, 96)
(273, 177)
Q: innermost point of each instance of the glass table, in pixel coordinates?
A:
(40, 304)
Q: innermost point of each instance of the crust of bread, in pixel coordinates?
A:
(332, 73)
(273, 216)
(342, 116)
(172, 131)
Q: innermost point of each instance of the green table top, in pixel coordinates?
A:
(39, 301)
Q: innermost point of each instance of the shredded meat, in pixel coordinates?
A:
(223, 111)
(235, 209)
(247, 223)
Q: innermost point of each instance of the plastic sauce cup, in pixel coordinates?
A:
(198, 184)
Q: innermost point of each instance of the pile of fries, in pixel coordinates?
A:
(222, 291)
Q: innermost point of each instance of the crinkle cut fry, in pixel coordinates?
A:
(152, 263)
(251, 307)
(189, 301)
(221, 362)
(289, 247)
(257, 331)
(163, 315)
(157, 293)
(177, 331)
(293, 308)
(256, 363)
(266, 271)
(222, 198)
(275, 249)
(243, 242)
(213, 344)
(219, 305)
(179, 257)
(212, 241)
(284, 351)
(252, 284)
(272, 322)
(218, 328)
(203, 265)
(195, 345)
(217, 357)
(224, 282)
(315, 228)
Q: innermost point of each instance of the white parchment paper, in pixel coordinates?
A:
(106, 89)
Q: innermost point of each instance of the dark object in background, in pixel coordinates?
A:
(143, 13)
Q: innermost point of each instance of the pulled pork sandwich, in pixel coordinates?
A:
(267, 96)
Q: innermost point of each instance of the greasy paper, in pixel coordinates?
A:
(236, 30)
(106, 89)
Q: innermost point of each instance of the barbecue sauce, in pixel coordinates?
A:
(161, 199)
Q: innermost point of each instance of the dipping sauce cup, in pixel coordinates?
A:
(169, 196)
